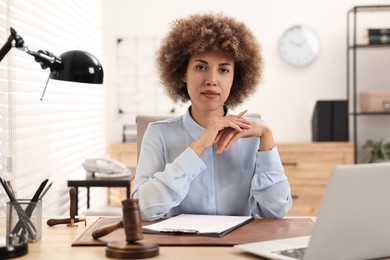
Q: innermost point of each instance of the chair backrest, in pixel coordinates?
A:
(142, 122)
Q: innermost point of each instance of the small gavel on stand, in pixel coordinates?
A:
(72, 213)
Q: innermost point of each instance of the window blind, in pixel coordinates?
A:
(3, 103)
(54, 136)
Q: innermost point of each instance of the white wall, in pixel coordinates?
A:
(287, 94)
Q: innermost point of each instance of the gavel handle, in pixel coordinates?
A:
(53, 222)
(72, 206)
(106, 230)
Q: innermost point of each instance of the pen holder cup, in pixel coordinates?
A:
(24, 220)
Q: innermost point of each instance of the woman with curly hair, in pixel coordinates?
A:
(210, 161)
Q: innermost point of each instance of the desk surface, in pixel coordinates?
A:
(56, 244)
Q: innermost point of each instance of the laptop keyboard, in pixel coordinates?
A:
(297, 253)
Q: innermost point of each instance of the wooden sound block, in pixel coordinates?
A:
(133, 250)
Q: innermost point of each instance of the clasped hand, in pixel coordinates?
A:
(225, 131)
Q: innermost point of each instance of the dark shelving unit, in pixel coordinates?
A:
(352, 85)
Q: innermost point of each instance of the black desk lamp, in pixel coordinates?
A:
(77, 66)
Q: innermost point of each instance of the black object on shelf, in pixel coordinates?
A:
(330, 121)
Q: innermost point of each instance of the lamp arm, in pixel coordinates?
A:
(19, 42)
(46, 59)
(6, 48)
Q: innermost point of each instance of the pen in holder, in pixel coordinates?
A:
(24, 219)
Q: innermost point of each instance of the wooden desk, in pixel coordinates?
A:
(56, 244)
(99, 182)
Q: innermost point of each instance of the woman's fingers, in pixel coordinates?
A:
(227, 139)
(223, 129)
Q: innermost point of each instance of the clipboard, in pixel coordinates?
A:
(254, 231)
(197, 225)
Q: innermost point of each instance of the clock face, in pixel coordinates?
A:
(299, 45)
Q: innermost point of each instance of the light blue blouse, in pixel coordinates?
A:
(172, 179)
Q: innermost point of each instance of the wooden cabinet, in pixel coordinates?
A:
(308, 166)
(127, 154)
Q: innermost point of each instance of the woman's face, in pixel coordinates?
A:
(209, 78)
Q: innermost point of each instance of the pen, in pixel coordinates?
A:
(37, 194)
(179, 231)
(8, 182)
(46, 189)
(7, 190)
(242, 113)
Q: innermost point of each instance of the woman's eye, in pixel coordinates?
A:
(200, 67)
(224, 70)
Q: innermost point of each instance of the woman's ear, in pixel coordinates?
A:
(184, 78)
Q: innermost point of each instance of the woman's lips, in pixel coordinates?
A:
(210, 94)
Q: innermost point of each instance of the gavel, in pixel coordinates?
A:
(134, 247)
(72, 213)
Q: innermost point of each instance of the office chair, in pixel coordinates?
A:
(142, 122)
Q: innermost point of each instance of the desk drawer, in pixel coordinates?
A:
(306, 199)
(308, 167)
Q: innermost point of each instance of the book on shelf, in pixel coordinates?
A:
(378, 39)
(377, 36)
(378, 31)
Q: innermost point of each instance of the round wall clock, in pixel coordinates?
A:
(299, 45)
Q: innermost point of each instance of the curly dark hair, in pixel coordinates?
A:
(200, 33)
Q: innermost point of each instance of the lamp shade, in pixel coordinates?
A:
(78, 66)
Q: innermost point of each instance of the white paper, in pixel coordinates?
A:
(201, 223)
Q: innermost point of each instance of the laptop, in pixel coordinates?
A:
(353, 221)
